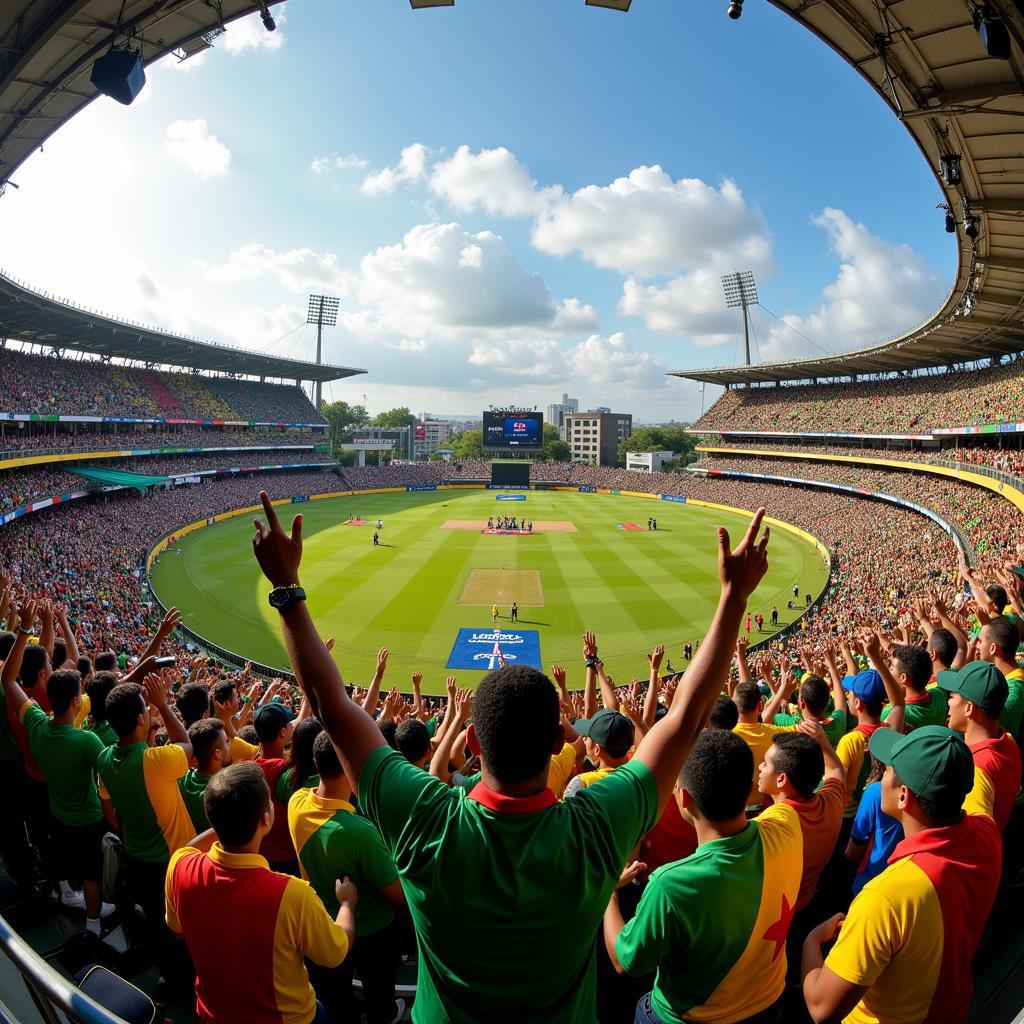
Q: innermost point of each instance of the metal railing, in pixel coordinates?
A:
(993, 474)
(49, 990)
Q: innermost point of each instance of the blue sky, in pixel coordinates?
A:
(512, 199)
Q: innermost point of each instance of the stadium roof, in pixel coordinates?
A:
(40, 319)
(47, 49)
(927, 62)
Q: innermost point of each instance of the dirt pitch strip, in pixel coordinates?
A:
(486, 587)
(539, 526)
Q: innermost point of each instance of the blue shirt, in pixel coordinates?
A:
(878, 830)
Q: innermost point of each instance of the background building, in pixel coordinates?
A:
(594, 436)
(648, 462)
(429, 435)
(556, 414)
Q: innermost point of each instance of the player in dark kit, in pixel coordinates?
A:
(514, 612)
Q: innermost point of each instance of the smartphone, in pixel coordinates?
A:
(169, 662)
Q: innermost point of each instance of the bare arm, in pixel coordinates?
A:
(156, 687)
(439, 763)
(417, 701)
(653, 692)
(664, 749)
(164, 630)
(14, 694)
(590, 685)
(609, 697)
(829, 998)
(373, 693)
(897, 715)
(70, 640)
(352, 731)
(833, 766)
(961, 637)
(47, 635)
(838, 690)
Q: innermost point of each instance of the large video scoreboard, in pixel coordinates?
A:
(513, 431)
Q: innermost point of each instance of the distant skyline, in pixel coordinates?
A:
(512, 200)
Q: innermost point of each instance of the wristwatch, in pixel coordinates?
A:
(282, 598)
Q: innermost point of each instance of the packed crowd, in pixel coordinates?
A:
(78, 438)
(900, 405)
(48, 385)
(811, 833)
(1005, 460)
(990, 522)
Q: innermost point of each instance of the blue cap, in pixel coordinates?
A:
(868, 687)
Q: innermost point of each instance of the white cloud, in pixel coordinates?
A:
(540, 359)
(613, 364)
(573, 316)
(411, 167)
(442, 278)
(249, 34)
(325, 164)
(881, 289)
(647, 224)
(691, 304)
(297, 270)
(492, 180)
(194, 146)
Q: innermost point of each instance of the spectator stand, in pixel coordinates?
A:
(951, 529)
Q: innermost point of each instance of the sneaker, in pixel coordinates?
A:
(74, 899)
(399, 1011)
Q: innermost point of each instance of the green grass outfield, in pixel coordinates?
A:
(633, 589)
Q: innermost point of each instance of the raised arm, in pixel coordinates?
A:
(352, 731)
(373, 693)
(780, 693)
(439, 763)
(590, 684)
(653, 692)
(873, 652)
(157, 688)
(167, 626)
(958, 634)
(47, 634)
(833, 766)
(70, 640)
(14, 694)
(838, 690)
(664, 749)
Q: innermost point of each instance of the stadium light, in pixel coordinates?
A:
(611, 5)
(971, 227)
(322, 311)
(420, 5)
(741, 291)
(993, 32)
(735, 10)
(949, 168)
(265, 16)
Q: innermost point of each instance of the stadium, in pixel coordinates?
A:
(530, 729)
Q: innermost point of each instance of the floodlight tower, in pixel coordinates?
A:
(740, 290)
(323, 310)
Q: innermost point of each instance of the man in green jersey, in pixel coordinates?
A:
(67, 758)
(507, 886)
(211, 751)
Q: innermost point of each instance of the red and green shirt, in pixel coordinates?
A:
(997, 774)
(506, 894)
(333, 841)
(193, 790)
(249, 931)
(911, 932)
(67, 757)
(714, 925)
(142, 782)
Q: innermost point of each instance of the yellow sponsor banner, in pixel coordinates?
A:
(40, 460)
(461, 487)
(775, 524)
(333, 494)
(1010, 493)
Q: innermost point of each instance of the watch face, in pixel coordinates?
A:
(279, 597)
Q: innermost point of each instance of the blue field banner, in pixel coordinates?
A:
(421, 487)
(587, 489)
(508, 487)
(673, 497)
(478, 648)
(510, 497)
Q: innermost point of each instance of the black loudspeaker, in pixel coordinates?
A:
(120, 75)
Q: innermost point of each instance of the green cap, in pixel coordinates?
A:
(610, 729)
(932, 760)
(981, 683)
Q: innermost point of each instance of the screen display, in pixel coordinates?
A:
(524, 431)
